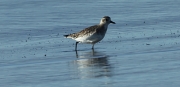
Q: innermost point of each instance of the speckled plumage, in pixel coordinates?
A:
(87, 31)
(92, 34)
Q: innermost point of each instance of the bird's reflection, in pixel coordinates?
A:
(91, 64)
(92, 53)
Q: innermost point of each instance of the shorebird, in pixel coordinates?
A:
(92, 34)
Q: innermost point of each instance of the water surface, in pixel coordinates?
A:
(140, 50)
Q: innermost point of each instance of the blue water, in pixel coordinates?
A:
(140, 50)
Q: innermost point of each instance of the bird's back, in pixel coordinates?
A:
(85, 32)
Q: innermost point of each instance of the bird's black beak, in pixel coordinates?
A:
(112, 22)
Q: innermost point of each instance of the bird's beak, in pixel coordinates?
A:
(112, 22)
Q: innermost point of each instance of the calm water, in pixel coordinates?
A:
(141, 50)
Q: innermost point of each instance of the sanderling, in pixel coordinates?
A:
(92, 34)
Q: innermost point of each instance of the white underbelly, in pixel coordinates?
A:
(90, 39)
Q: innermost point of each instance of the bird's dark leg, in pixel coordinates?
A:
(93, 52)
(93, 46)
(76, 54)
(76, 46)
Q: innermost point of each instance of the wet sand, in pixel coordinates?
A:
(141, 49)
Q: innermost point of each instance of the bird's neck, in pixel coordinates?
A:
(103, 29)
(104, 25)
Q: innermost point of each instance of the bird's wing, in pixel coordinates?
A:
(87, 31)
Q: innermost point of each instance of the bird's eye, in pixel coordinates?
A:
(106, 19)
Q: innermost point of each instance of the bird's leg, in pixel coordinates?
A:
(93, 52)
(76, 46)
(76, 53)
(93, 46)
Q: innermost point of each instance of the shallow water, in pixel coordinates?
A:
(141, 49)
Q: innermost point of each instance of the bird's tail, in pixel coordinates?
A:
(66, 36)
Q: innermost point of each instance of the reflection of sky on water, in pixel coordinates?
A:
(91, 64)
(143, 47)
